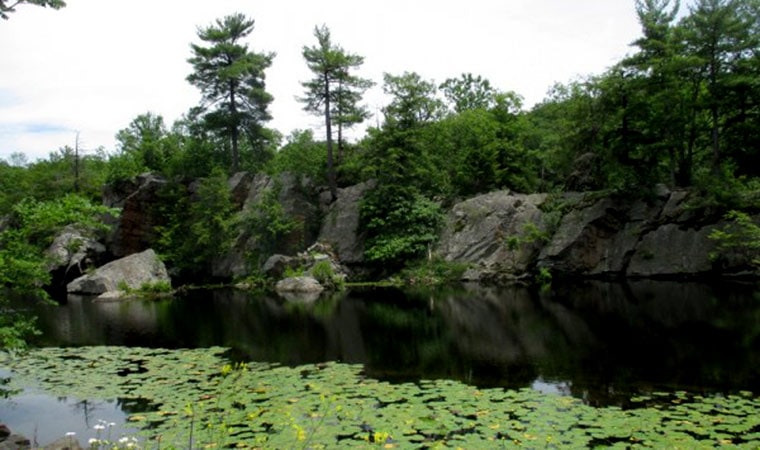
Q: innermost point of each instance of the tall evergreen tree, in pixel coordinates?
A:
(232, 81)
(719, 37)
(334, 92)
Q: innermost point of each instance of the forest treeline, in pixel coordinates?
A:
(683, 109)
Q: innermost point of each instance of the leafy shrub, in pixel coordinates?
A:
(740, 236)
(267, 222)
(324, 273)
(401, 225)
(434, 272)
(23, 267)
(200, 227)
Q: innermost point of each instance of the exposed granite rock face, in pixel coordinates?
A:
(505, 236)
(240, 186)
(297, 198)
(134, 230)
(501, 235)
(672, 250)
(661, 237)
(71, 254)
(133, 270)
(478, 231)
(596, 237)
(340, 223)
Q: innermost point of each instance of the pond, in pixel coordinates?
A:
(602, 345)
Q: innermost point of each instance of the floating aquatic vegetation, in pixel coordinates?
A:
(197, 398)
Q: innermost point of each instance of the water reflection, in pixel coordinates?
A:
(598, 341)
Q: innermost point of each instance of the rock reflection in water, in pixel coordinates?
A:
(596, 340)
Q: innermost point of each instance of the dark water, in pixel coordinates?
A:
(598, 341)
(593, 340)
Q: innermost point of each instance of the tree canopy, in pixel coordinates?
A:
(334, 92)
(232, 81)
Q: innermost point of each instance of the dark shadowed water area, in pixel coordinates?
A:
(598, 341)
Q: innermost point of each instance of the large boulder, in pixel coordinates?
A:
(497, 234)
(72, 253)
(340, 223)
(132, 271)
(302, 288)
(301, 284)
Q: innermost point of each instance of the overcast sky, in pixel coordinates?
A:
(96, 64)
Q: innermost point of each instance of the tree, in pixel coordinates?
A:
(415, 101)
(334, 92)
(144, 142)
(468, 92)
(24, 266)
(199, 224)
(720, 37)
(231, 79)
(6, 7)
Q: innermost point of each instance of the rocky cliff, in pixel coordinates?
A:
(501, 235)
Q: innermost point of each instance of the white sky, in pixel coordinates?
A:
(95, 65)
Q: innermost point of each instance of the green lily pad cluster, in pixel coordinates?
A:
(197, 398)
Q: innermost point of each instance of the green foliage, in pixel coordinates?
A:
(401, 225)
(323, 271)
(147, 289)
(432, 272)
(301, 156)
(16, 329)
(685, 103)
(49, 179)
(725, 189)
(529, 234)
(30, 230)
(144, 146)
(740, 237)
(468, 92)
(334, 93)
(414, 101)
(231, 78)
(267, 222)
(199, 227)
(544, 277)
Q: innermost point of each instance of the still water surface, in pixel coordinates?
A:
(598, 341)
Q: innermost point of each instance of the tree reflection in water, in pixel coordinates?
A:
(598, 341)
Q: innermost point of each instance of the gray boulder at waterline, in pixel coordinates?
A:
(299, 285)
(134, 271)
